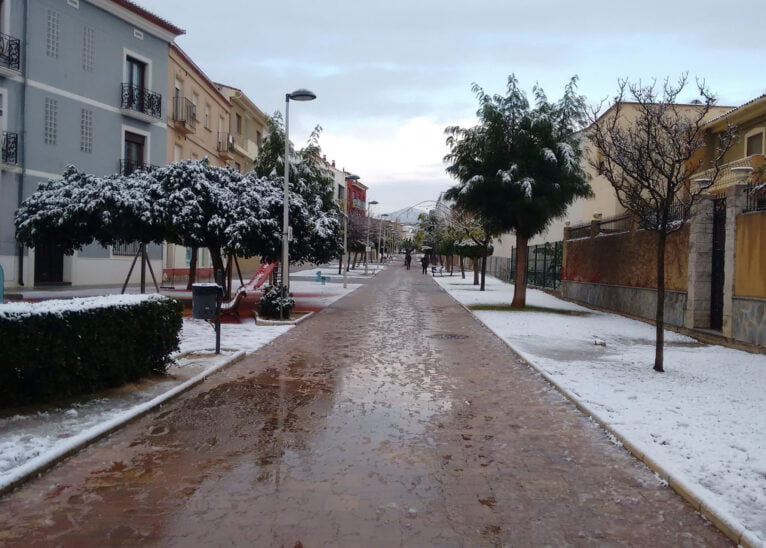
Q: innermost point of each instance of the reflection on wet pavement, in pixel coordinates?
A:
(392, 418)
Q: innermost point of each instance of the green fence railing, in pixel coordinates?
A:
(543, 265)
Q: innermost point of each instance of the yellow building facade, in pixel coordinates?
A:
(247, 127)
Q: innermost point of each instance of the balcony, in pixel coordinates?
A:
(10, 142)
(729, 174)
(129, 167)
(10, 53)
(147, 104)
(184, 115)
(225, 145)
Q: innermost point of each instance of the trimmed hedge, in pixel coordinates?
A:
(56, 349)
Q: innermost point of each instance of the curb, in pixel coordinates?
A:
(262, 322)
(38, 465)
(726, 523)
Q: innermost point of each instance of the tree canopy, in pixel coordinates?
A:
(190, 203)
(519, 167)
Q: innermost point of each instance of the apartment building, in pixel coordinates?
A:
(247, 127)
(82, 82)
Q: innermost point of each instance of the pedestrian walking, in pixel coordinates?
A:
(407, 260)
(424, 263)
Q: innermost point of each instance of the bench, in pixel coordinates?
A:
(437, 270)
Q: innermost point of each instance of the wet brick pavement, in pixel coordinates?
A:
(392, 418)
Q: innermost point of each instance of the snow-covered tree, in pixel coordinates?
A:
(650, 161)
(190, 203)
(314, 216)
(519, 167)
(79, 209)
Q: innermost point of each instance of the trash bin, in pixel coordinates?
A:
(205, 300)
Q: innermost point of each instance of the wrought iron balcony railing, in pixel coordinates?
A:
(128, 167)
(184, 111)
(225, 142)
(10, 52)
(141, 100)
(10, 142)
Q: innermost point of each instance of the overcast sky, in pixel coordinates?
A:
(390, 76)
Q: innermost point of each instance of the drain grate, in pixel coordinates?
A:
(447, 336)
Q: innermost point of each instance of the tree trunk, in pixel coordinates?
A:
(340, 265)
(520, 285)
(192, 269)
(660, 316)
(215, 256)
(475, 261)
(462, 266)
(484, 265)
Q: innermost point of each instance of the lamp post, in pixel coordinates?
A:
(380, 237)
(297, 95)
(367, 242)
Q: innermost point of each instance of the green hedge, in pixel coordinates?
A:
(56, 349)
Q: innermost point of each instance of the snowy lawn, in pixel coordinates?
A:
(703, 419)
(31, 437)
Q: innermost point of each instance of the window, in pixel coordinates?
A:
(258, 139)
(754, 144)
(88, 48)
(136, 72)
(86, 131)
(194, 100)
(207, 116)
(238, 120)
(52, 36)
(134, 152)
(51, 121)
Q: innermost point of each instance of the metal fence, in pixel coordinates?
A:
(543, 265)
(756, 197)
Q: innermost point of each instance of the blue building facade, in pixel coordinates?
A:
(82, 82)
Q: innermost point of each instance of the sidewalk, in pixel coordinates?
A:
(32, 439)
(702, 422)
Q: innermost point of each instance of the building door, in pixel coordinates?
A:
(717, 273)
(49, 264)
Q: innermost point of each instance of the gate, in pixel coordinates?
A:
(717, 267)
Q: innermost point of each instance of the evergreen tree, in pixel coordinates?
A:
(519, 167)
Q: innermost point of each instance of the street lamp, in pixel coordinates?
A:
(380, 234)
(297, 95)
(367, 242)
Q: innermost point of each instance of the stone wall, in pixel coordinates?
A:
(637, 301)
(749, 320)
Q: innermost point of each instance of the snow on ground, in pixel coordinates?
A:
(27, 439)
(331, 271)
(703, 419)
